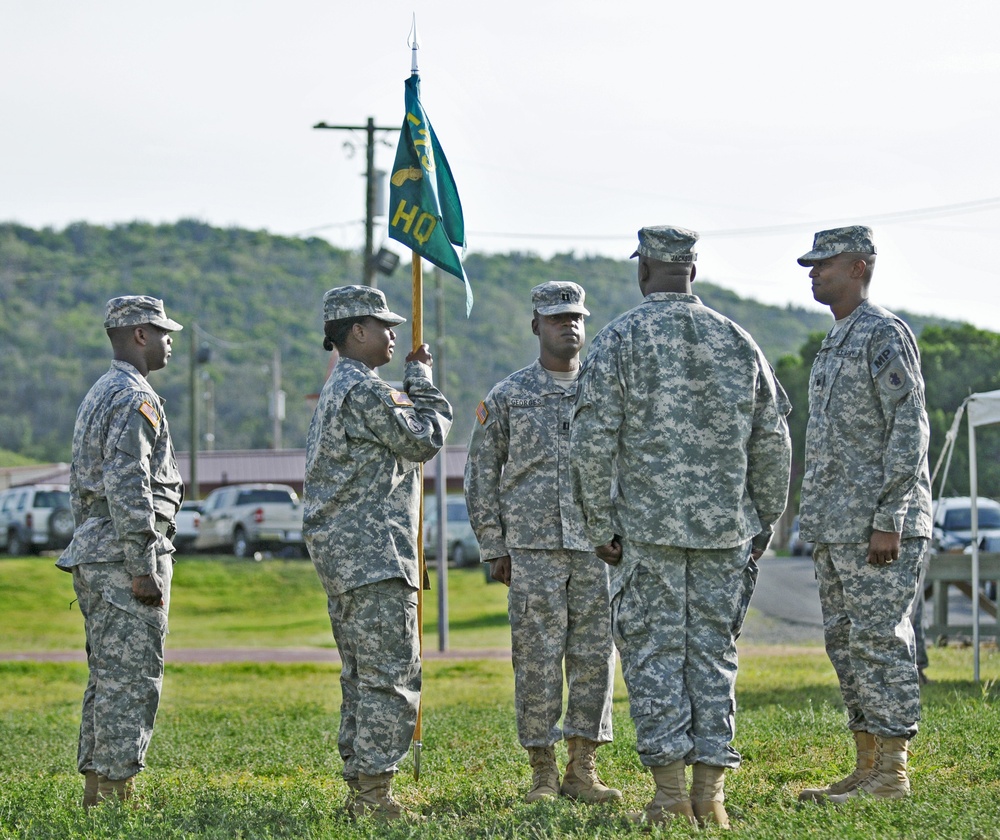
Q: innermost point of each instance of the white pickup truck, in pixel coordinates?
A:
(245, 518)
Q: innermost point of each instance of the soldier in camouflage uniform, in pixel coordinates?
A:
(125, 491)
(866, 504)
(362, 501)
(521, 507)
(680, 456)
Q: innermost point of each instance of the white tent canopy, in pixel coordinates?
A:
(983, 410)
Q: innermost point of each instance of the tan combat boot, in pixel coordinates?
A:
(89, 789)
(581, 781)
(373, 798)
(544, 774)
(671, 800)
(120, 789)
(708, 795)
(865, 744)
(887, 779)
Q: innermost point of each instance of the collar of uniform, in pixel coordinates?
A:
(670, 297)
(132, 372)
(841, 335)
(546, 383)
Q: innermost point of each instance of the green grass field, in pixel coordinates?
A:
(225, 602)
(249, 750)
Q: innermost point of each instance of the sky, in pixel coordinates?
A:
(568, 126)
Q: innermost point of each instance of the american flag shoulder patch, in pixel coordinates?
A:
(482, 413)
(400, 398)
(146, 410)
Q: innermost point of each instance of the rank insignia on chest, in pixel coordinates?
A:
(401, 398)
(482, 413)
(150, 413)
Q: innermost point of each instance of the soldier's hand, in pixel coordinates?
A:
(421, 354)
(500, 570)
(883, 548)
(146, 590)
(610, 553)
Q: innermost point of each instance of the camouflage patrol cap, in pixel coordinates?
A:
(558, 296)
(136, 310)
(358, 302)
(856, 239)
(667, 243)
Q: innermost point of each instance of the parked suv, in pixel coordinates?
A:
(248, 517)
(188, 521)
(953, 521)
(35, 517)
(463, 548)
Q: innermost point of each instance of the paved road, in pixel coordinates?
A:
(785, 605)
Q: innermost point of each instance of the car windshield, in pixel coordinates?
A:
(961, 519)
(51, 499)
(261, 497)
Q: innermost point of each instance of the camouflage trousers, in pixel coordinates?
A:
(676, 614)
(375, 627)
(125, 642)
(559, 612)
(869, 637)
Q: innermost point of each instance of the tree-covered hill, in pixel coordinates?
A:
(245, 294)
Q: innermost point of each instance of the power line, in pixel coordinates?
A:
(897, 217)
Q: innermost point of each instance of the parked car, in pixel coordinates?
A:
(35, 517)
(245, 518)
(188, 522)
(798, 547)
(953, 521)
(463, 548)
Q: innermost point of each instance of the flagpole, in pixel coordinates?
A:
(418, 339)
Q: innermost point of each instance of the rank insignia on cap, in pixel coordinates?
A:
(482, 414)
(147, 411)
(401, 398)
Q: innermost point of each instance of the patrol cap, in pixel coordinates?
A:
(667, 243)
(358, 302)
(856, 239)
(558, 296)
(136, 310)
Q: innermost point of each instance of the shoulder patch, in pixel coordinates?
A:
(146, 410)
(882, 359)
(894, 376)
(482, 413)
(400, 398)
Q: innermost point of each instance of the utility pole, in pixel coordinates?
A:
(370, 128)
(192, 489)
(277, 398)
(199, 356)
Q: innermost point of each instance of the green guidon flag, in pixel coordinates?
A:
(425, 212)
